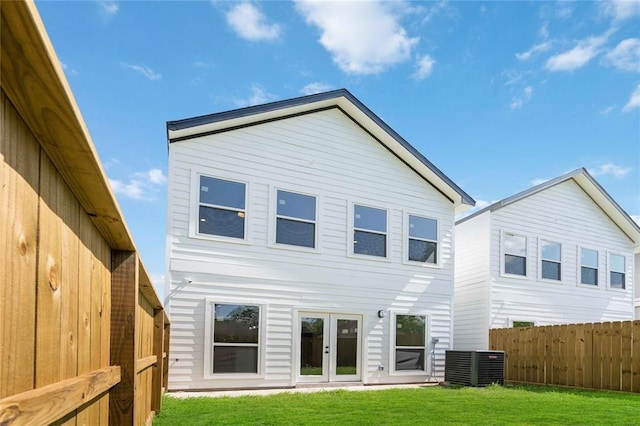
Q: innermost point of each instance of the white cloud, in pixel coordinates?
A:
(625, 56)
(607, 110)
(634, 100)
(435, 9)
(621, 10)
(109, 8)
(518, 101)
(579, 56)
(538, 48)
(258, 96)
(144, 70)
(424, 66)
(67, 69)
(316, 87)
(203, 64)
(141, 186)
(364, 37)
(610, 169)
(251, 24)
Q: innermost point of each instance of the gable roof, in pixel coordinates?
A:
(589, 185)
(341, 99)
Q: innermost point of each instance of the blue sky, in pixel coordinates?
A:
(498, 95)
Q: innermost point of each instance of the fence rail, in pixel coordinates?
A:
(599, 355)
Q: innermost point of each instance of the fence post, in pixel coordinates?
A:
(158, 342)
(124, 329)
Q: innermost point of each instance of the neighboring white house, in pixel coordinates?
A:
(560, 252)
(306, 242)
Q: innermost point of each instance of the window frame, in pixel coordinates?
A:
(209, 341)
(503, 253)
(428, 347)
(610, 270)
(541, 259)
(194, 203)
(406, 237)
(352, 229)
(273, 221)
(598, 284)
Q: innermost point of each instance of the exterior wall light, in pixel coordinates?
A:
(382, 313)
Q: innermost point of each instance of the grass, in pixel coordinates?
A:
(494, 405)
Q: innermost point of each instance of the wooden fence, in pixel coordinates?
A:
(599, 356)
(83, 335)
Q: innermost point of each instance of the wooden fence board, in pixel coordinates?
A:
(563, 355)
(48, 327)
(19, 174)
(571, 355)
(579, 355)
(635, 357)
(616, 356)
(625, 355)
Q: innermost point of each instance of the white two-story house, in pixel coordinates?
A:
(307, 242)
(558, 253)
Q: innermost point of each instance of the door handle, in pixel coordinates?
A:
(326, 349)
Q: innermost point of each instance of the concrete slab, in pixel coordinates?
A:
(265, 392)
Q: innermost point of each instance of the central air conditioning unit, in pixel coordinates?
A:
(474, 368)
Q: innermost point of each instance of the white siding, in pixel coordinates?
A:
(564, 214)
(471, 296)
(327, 155)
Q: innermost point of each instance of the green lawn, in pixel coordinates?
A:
(517, 405)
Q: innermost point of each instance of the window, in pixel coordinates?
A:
(423, 239)
(515, 254)
(589, 266)
(235, 338)
(221, 209)
(410, 342)
(369, 231)
(551, 255)
(296, 219)
(616, 271)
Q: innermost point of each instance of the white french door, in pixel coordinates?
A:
(330, 347)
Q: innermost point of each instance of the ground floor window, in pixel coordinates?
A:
(235, 338)
(410, 343)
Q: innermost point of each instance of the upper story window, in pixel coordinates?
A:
(235, 338)
(410, 345)
(588, 266)
(551, 260)
(515, 254)
(423, 239)
(296, 219)
(369, 231)
(616, 271)
(221, 209)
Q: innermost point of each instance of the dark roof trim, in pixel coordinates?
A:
(548, 184)
(304, 100)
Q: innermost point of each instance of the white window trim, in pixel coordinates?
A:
(428, 348)
(527, 257)
(194, 207)
(540, 259)
(405, 242)
(272, 226)
(626, 274)
(579, 269)
(352, 229)
(210, 303)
